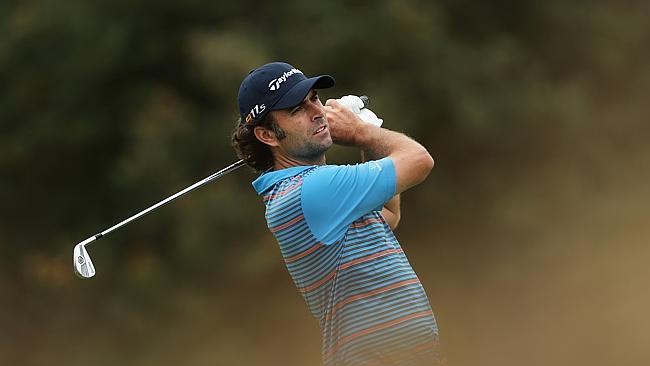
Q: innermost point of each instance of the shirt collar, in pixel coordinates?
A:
(265, 181)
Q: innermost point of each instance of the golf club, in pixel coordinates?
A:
(83, 265)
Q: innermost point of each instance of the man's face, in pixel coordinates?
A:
(307, 135)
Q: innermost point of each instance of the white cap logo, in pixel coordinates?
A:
(275, 83)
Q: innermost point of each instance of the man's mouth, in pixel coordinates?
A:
(321, 129)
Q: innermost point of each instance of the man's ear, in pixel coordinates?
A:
(266, 136)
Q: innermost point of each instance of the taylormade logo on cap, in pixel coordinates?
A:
(275, 83)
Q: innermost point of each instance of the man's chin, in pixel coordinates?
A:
(328, 142)
(317, 152)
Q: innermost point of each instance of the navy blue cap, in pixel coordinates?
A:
(275, 86)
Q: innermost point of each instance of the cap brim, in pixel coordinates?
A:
(297, 94)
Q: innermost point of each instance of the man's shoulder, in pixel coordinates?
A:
(371, 166)
(321, 174)
(268, 179)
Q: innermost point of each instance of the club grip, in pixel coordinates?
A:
(366, 101)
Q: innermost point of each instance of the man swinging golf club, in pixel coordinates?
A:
(334, 223)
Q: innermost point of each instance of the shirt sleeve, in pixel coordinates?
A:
(334, 196)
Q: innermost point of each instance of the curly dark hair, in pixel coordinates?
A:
(254, 152)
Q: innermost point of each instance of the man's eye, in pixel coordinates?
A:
(298, 108)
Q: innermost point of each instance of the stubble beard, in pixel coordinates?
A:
(311, 151)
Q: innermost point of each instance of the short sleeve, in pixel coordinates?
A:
(334, 196)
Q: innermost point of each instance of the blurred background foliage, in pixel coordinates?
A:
(530, 236)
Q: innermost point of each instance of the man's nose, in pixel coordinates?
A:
(317, 111)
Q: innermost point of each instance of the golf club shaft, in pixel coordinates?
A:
(194, 186)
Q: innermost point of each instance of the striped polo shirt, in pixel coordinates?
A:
(348, 265)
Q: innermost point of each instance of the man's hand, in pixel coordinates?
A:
(411, 160)
(344, 125)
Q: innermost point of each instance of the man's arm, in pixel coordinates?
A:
(391, 211)
(411, 160)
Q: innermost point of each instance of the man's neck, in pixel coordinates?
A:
(283, 162)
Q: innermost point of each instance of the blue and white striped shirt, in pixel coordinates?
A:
(348, 265)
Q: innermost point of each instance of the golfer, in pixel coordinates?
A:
(334, 223)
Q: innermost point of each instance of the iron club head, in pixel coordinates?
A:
(83, 266)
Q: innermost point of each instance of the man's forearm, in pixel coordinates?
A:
(379, 143)
(411, 160)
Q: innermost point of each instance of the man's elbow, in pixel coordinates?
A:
(425, 162)
(413, 168)
(429, 161)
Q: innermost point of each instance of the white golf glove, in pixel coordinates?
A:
(355, 104)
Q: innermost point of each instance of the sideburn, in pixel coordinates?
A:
(279, 132)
